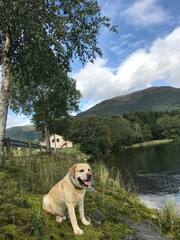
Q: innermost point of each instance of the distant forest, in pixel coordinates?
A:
(101, 134)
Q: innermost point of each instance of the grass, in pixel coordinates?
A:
(169, 220)
(25, 180)
(150, 143)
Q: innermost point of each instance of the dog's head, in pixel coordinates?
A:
(82, 173)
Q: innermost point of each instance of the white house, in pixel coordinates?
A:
(58, 142)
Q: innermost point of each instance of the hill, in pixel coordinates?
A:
(26, 133)
(154, 98)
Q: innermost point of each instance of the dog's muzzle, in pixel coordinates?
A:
(87, 182)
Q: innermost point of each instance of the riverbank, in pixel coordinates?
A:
(24, 180)
(150, 143)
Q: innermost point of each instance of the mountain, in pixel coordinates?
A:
(25, 133)
(154, 98)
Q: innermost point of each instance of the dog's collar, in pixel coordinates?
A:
(76, 187)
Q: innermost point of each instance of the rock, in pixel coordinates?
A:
(97, 217)
(142, 232)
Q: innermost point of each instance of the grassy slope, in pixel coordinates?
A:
(24, 181)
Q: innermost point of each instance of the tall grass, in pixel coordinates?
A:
(169, 220)
(39, 174)
(112, 180)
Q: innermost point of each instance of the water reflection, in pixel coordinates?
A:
(154, 170)
(158, 183)
(158, 201)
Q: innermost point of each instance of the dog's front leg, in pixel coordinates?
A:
(72, 216)
(81, 213)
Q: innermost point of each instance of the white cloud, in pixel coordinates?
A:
(17, 120)
(126, 45)
(140, 70)
(111, 9)
(146, 13)
(94, 79)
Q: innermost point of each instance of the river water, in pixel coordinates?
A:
(154, 171)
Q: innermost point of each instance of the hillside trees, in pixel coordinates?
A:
(169, 126)
(66, 28)
(146, 133)
(93, 134)
(121, 130)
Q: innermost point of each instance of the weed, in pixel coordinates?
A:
(169, 220)
(38, 222)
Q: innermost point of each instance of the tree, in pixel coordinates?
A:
(121, 131)
(146, 132)
(93, 134)
(138, 135)
(169, 127)
(67, 28)
(50, 98)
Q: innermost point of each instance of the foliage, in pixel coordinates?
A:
(102, 134)
(146, 132)
(169, 126)
(93, 134)
(70, 28)
(169, 220)
(122, 131)
(48, 101)
(98, 135)
(38, 41)
(156, 124)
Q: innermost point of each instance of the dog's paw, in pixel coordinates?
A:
(85, 222)
(64, 217)
(59, 219)
(78, 231)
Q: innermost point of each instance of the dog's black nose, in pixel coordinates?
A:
(89, 175)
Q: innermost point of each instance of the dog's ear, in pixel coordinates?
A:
(72, 170)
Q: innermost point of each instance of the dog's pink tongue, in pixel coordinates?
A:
(88, 183)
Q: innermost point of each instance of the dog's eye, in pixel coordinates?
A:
(89, 169)
(82, 170)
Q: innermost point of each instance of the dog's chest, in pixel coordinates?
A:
(76, 198)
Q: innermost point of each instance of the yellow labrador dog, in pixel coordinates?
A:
(68, 193)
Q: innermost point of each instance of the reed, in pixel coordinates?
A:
(169, 220)
(39, 174)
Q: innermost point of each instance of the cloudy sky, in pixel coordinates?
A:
(145, 52)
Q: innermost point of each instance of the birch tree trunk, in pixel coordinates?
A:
(55, 142)
(4, 94)
(47, 137)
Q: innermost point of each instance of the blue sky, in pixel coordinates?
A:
(145, 52)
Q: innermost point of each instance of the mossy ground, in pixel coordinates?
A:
(24, 181)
